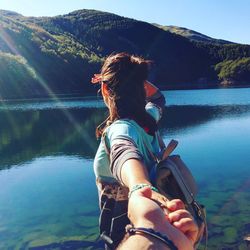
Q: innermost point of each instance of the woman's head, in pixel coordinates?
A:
(123, 76)
(125, 70)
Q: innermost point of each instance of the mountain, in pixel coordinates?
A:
(35, 62)
(9, 13)
(191, 34)
(50, 56)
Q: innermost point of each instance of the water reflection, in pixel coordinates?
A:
(55, 147)
(26, 135)
(177, 118)
(30, 134)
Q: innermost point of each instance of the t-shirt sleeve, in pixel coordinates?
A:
(123, 140)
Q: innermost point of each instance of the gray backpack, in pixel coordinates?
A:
(174, 180)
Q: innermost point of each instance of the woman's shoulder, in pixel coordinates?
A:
(123, 128)
(126, 123)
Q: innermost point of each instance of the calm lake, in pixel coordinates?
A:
(48, 197)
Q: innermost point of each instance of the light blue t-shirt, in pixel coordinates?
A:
(127, 128)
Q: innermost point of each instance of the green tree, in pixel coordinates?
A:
(238, 69)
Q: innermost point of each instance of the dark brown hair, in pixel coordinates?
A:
(125, 75)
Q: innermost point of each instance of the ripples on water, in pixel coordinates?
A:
(48, 197)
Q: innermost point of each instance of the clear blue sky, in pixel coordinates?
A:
(224, 19)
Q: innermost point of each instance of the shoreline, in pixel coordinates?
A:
(79, 95)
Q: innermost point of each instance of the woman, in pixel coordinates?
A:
(123, 164)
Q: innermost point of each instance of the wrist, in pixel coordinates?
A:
(138, 182)
(139, 186)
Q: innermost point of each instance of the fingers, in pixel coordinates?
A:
(185, 224)
(188, 227)
(174, 212)
(178, 215)
(183, 220)
(175, 204)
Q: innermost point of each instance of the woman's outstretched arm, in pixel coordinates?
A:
(134, 172)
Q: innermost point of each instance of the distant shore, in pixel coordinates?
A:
(80, 95)
(205, 85)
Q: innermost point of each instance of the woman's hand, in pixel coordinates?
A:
(144, 206)
(180, 218)
(177, 215)
(143, 211)
(162, 201)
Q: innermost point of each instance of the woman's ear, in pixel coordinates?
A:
(104, 88)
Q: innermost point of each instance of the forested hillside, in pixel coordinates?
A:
(191, 34)
(49, 56)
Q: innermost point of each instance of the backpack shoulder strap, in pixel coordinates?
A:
(165, 150)
(169, 149)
